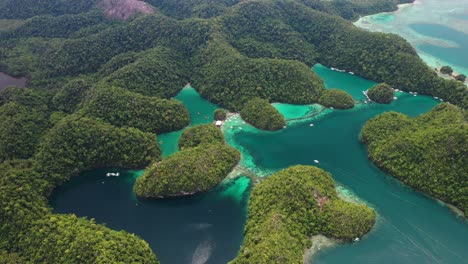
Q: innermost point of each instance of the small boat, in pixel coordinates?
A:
(356, 239)
(284, 126)
(436, 98)
(331, 107)
(352, 73)
(394, 98)
(311, 125)
(117, 174)
(316, 161)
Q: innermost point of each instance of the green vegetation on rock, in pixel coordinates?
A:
(262, 115)
(68, 98)
(200, 134)
(289, 207)
(446, 70)
(460, 77)
(220, 114)
(381, 93)
(428, 153)
(77, 143)
(157, 72)
(128, 109)
(20, 130)
(336, 98)
(187, 172)
(230, 79)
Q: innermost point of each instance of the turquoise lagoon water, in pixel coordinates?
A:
(437, 29)
(207, 228)
(201, 112)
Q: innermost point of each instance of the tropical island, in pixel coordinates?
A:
(428, 153)
(292, 205)
(100, 84)
(202, 163)
(381, 93)
(262, 115)
(336, 98)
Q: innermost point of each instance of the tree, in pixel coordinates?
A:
(381, 93)
(220, 114)
(461, 77)
(336, 98)
(446, 70)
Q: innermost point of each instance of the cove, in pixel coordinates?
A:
(411, 228)
(207, 228)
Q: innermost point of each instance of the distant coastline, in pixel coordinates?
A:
(433, 48)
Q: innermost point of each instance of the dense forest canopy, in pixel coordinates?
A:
(429, 153)
(381, 93)
(100, 88)
(292, 205)
(262, 115)
(337, 98)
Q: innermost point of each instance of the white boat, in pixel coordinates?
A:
(394, 98)
(352, 73)
(356, 239)
(311, 125)
(316, 161)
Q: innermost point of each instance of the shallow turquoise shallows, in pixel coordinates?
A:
(411, 228)
(201, 112)
(437, 29)
(455, 55)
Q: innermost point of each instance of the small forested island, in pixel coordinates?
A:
(203, 162)
(200, 134)
(220, 114)
(336, 98)
(262, 115)
(381, 93)
(428, 153)
(292, 205)
(101, 77)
